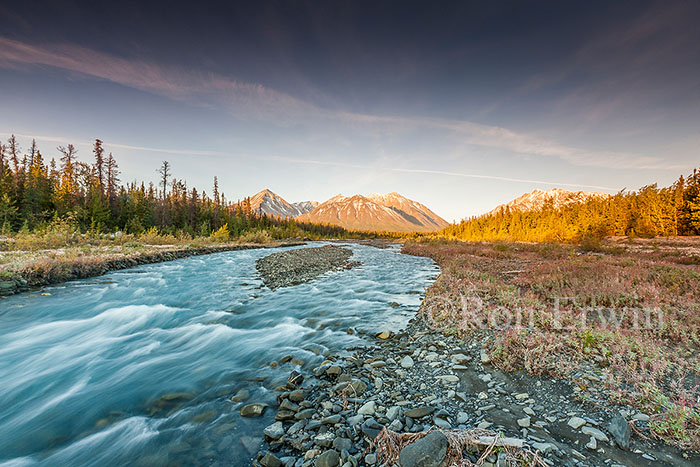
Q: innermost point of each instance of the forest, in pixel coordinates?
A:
(36, 193)
(648, 212)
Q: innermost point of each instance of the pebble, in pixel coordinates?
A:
(524, 422)
(407, 362)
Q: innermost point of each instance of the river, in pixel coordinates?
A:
(137, 367)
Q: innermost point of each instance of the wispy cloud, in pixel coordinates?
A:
(300, 161)
(251, 100)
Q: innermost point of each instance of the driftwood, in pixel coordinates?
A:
(477, 441)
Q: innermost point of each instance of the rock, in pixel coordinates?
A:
(522, 396)
(441, 423)
(595, 432)
(642, 417)
(449, 378)
(355, 420)
(462, 417)
(367, 409)
(393, 412)
(253, 410)
(524, 422)
(544, 448)
(342, 444)
(592, 444)
(428, 451)
(269, 460)
(407, 362)
(620, 429)
(371, 459)
(328, 459)
(420, 412)
(576, 422)
(285, 415)
(274, 431)
(384, 335)
(352, 388)
(297, 395)
(484, 357)
(460, 359)
(241, 395)
(295, 379)
(288, 405)
(305, 414)
(334, 370)
(332, 420)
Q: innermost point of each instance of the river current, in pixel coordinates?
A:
(137, 367)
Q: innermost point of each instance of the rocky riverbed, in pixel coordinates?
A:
(303, 265)
(420, 380)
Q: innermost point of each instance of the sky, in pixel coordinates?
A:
(461, 106)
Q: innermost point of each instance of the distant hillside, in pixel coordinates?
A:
(390, 212)
(556, 198)
(267, 202)
(560, 215)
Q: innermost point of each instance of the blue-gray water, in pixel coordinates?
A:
(137, 367)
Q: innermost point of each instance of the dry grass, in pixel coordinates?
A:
(630, 308)
(480, 443)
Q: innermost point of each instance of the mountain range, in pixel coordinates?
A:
(267, 202)
(536, 199)
(391, 212)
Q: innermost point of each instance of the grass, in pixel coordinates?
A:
(629, 308)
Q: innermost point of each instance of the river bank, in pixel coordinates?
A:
(553, 396)
(23, 270)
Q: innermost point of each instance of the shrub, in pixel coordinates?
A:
(256, 236)
(222, 235)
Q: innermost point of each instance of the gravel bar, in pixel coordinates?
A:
(303, 265)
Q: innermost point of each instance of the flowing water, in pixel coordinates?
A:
(137, 367)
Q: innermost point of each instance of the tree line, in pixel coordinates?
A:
(648, 212)
(35, 192)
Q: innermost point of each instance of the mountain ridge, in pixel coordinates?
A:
(536, 199)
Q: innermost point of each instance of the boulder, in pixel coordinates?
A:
(253, 410)
(328, 459)
(620, 429)
(429, 451)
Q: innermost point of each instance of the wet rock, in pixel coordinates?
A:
(428, 451)
(328, 459)
(253, 410)
(295, 379)
(241, 395)
(288, 405)
(407, 362)
(297, 395)
(384, 335)
(620, 429)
